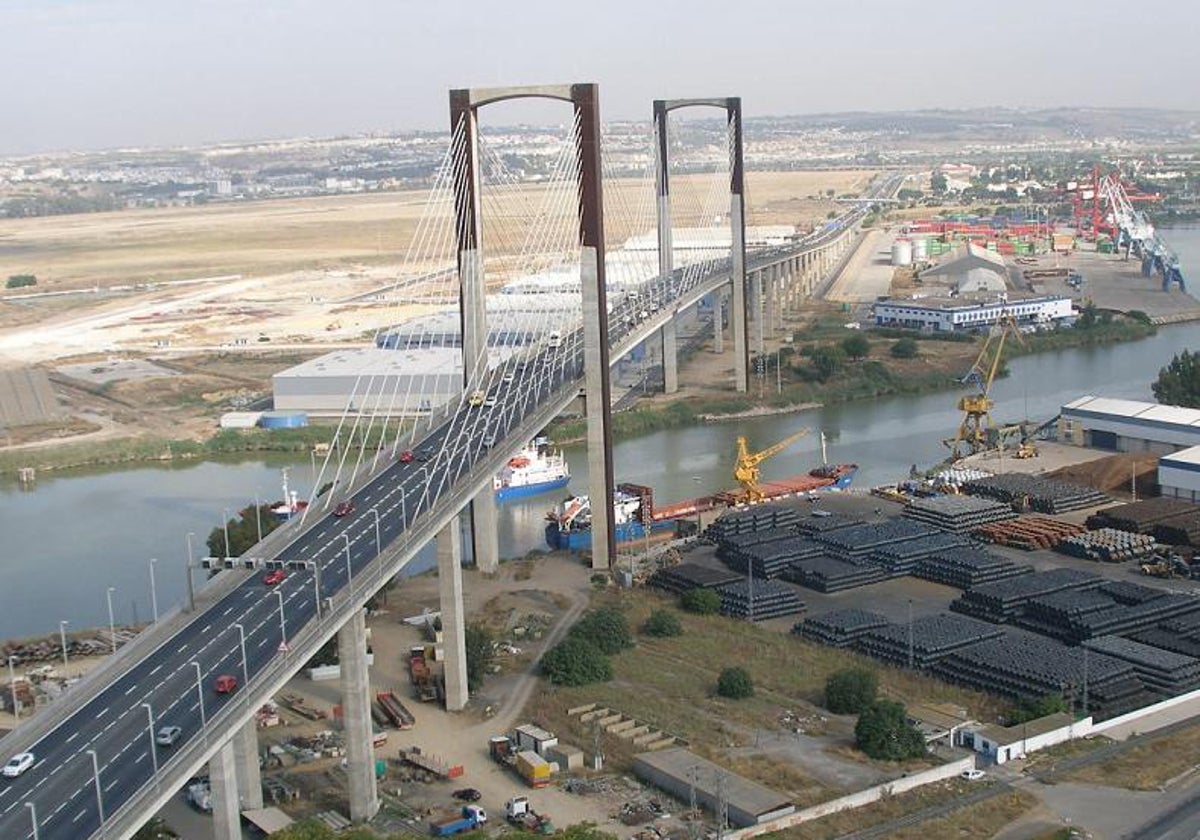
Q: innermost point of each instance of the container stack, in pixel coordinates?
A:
(1004, 600)
(934, 637)
(903, 558)
(767, 560)
(759, 600)
(1160, 671)
(840, 628)
(825, 574)
(968, 567)
(686, 576)
(1028, 667)
(757, 518)
(1044, 495)
(857, 543)
(958, 514)
(1108, 545)
(1028, 533)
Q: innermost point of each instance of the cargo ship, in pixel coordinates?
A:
(535, 469)
(569, 525)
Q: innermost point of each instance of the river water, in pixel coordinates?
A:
(75, 534)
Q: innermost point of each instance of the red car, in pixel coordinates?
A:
(344, 509)
(406, 457)
(274, 577)
(225, 684)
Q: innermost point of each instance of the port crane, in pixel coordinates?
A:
(746, 471)
(975, 431)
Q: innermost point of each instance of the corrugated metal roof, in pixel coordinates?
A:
(689, 768)
(1136, 408)
(1172, 414)
(1183, 456)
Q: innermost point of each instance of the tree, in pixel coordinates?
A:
(701, 601)
(735, 683)
(606, 628)
(1047, 704)
(883, 733)
(905, 348)
(938, 182)
(16, 281)
(479, 655)
(1179, 382)
(662, 623)
(826, 361)
(243, 532)
(310, 829)
(851, 691)
(576, 661)
(856, 346)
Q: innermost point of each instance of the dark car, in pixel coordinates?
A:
(467, 795)
(344, 509)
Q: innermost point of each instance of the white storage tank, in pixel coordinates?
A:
(920, 249)
(902, 252)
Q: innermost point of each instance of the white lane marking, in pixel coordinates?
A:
(111, 784)
(102, 712)
(140, 758)
(204, 632)
(181, 648)
(79, 816)
(73, 736)
(131, 689)
(156, 669)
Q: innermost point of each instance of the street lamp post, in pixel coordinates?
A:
(226, 526)
(62, 636)
(245, 666)
(150, 732)
(33, 818)
(258, 514)
(99, 790)
(317, 588)
(349, 570)
(191, 586)
(200, 696)
(12, 684)
(282, 622)
(378, 544)
(112, 626)
(153, 591)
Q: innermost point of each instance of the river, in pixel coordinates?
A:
(75, 534)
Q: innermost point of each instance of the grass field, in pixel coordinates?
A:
(1146, 766)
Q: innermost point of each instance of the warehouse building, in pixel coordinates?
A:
(958, 314)
(1001, 744)
(376, 381)
(678, 772)
(1179, 474)
(975, 270)
(1129, 425)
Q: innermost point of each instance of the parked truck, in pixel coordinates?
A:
(520, 813)
(471, 816)
(527, 764)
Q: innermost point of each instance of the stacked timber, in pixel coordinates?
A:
(1028, 533)
(824, 574)
(904, 557)
(1028, 667)
(757, 518)
(1004, 600)
(1108, 545)
(768, 560)
(932, 637)
(958, 514)
(686, 576)
(1042, 494)
(1161, 671)
(759, 600)
(840, 628)
(857, 543)
(1141, 517)
(968, 567)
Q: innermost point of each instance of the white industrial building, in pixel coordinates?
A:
(957, 314)
(1179, 474)
(1129, 425)
(974, 270)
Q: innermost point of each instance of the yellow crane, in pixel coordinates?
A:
(746, 470)
(975, 430)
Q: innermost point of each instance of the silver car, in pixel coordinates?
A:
(167, 736)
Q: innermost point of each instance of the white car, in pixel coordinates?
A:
(18, 764)
(973, 775)
(167, 736)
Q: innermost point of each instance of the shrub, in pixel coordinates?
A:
(701, 601)
(662, 623)
(905, 348)
(576, 661)
(851, 691)
(883, 733)
(735, 683)
(826, 361)
(856, 346)
(16, 281)
(606, 628)
(480, 652)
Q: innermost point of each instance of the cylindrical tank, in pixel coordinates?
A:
(920, 249)
(902, 253)
(283, 420)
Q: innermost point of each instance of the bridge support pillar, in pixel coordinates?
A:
(450, 596)
(719, 322)
(670, 338)
(222, 777)
(485, 539)
(772, 314)
(356, 711)
(249, 774)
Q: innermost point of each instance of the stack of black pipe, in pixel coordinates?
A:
(958, 514)
(857, 543)
(840, 628)
(1160, 671)
(757, 518)
(968, 567)
(824, 574)
(934, 637)
(1141, 517)
(685, 576)
(1004, 600)
(903, 558)
(1044, 495)
(811, 526)
(771, 559)
(1108, 545)
(759, 600)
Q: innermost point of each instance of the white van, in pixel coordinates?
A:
(555, 340)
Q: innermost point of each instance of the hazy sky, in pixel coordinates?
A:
(82, 74)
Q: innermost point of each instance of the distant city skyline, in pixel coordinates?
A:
(94, 74)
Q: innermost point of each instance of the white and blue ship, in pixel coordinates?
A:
(535, 469)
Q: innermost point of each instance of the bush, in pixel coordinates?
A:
(883, 733)
(576, 661)
(606, 628)
(735, 683)
(826, 361)
(662, 623)
(851, 691)
(480, 653)
(1033, 709)
(856, 346)
(701, 601)
(16, 281)
(905, 348)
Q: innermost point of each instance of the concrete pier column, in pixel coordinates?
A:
(670, 356)
(249, 774)
(772, 313)
(758, 289)
(450, 596)
(719, 322)
(356, 717)
(222, 777)
(485, 536)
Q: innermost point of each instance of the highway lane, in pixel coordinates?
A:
(114, 724)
